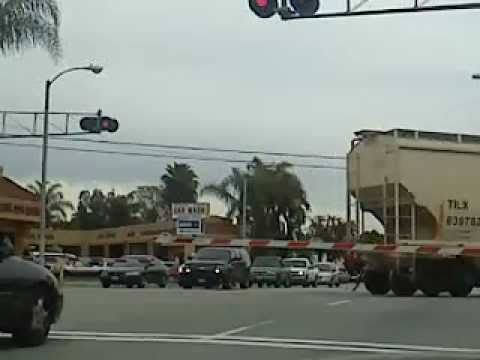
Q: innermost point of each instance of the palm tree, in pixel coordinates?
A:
(180, 185)
(230, 191)
(276, 201)
(57, 206)
(30, 23)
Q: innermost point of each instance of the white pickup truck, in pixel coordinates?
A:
(302, 272)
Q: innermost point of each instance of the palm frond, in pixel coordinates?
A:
(30, 23)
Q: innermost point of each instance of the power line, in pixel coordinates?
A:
(207, 149)
(163, 156)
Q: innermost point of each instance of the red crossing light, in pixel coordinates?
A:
(263, 8)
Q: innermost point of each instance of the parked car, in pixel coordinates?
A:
(214, 267)
(30, 298)
(269, 270)
(301, 271)
(135, 270)
(55, 260)
(328, 274)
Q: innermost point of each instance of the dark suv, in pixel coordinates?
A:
(30, 299)
(214, 267)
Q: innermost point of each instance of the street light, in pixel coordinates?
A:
(43, 193)
(244, 205)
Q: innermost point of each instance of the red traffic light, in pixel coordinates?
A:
(263, 8)
(95, 124)
(305, 7)
(108, 124)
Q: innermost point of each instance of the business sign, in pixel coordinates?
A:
(180, 210)
(191, 226)
(189, 217)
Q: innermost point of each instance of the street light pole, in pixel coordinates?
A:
(244, 213)
(43, 188)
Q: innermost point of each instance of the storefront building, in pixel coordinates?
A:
(135, 239)
(19, 212)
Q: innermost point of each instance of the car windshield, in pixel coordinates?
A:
(326, 267)
(213, 254)
(267, 262)
(295, 263)
(126, 263)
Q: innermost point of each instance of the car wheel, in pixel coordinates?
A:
(185, 286)
(227, 285)
(260, 284)
(106, 284)
(129, 286)
(162, 283)
(305, 285)
(36, 332)
(245, 284)
(278, 283)
(330, 285)
(337, 284)
(141, 285)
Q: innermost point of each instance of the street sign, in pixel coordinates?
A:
(179, 210)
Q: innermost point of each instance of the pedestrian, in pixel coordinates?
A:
(360, 274)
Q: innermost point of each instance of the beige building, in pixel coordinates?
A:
(19, 212)
(135, 239)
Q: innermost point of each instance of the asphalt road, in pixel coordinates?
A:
(272, 324)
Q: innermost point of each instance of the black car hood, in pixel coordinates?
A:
(18, 273)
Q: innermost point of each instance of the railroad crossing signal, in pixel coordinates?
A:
(308, 9)
(99, 123)
(263, 8)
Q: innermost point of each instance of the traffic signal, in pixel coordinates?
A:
(97, 124)
(263, 8)
(305, 7)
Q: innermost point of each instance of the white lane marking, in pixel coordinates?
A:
(336, 303)
(233, 340)
(239, 329)
(428, 348)
(207, 341)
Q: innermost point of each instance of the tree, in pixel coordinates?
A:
(180, 185)
(148, 201)
(57, 206)
(371, 237)
(276, 201)
(96, 210)
(328, 228)
(230, 191)
(30, 23)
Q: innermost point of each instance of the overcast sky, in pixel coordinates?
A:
(209, 73)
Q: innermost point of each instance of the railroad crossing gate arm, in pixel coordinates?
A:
(357, 8)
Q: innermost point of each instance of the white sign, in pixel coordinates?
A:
(189, 226)
(184, 210)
